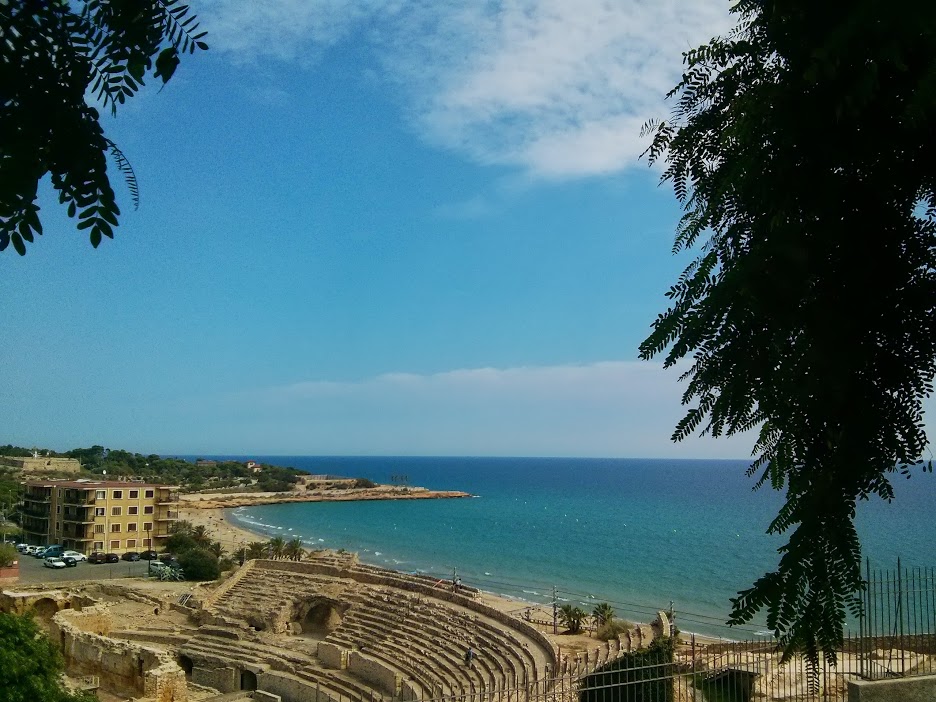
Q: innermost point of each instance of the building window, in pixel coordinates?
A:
(100, 495)
(100, 512)
(148, 509)
(98, 545)
(133, 510)
(58, 526)
(58, 509)
(115, 545)
(146, 543)
(134, 494)
(115, 528)
(98, 528)
(131, 526)
(118, 494)
(115, 511)
(131, 543)
(148, 493)
(147, 526)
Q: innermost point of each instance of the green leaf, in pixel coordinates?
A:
(166, 64)
(95, 237)
(18, 244)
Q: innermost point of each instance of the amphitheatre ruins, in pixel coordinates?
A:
(332, 629)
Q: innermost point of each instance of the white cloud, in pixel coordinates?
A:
(553, 87)
(600, 409)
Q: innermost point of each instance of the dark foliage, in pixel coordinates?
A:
(199, 564)
(30, 665)
(645, 675)
(802, 148)
(54, 56)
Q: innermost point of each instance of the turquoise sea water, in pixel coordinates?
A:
(636, 533)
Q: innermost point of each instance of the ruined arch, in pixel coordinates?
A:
(44, 609)
(317, 617)
(186, 664)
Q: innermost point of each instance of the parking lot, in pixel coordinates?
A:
(32, 570)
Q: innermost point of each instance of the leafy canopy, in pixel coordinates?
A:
(54, 56)
(30, 666)
(802, 149)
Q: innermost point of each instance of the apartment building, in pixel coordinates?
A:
(98, 515)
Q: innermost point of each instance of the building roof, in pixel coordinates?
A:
(95, 484)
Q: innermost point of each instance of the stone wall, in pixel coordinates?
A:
(42, 464)
(374, 672)
(913, 689)
(123, 667)
(292, 689)
(332, 656)
(222, 679)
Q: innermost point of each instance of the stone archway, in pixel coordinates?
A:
(248, 680)
(45, 608)
(186, 664)
(320, 616)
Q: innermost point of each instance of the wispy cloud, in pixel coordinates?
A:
(555, 88)
(600, 409)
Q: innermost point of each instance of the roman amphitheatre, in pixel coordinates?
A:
(332, 629)
(328, 629)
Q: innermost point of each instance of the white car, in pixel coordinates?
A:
(76, 555)
(32, 550)
(53, 562)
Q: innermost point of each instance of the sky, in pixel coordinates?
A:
(376, 227)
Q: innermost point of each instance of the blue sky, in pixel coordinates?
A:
(373, 228)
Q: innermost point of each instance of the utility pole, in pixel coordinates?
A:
(555, 612)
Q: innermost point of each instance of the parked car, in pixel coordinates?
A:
(131, 556)
(22, 547)
(37, 552)
(97, 557)
(53, 562)
(168, 558)
(149, 556)
(56, 550)
(76, 555)
(112, 558)
(69, 561)
(31, 550)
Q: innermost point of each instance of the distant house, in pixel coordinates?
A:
(253, 466)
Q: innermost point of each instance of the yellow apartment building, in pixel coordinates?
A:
(99, 515)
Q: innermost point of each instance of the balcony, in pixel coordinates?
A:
(167, 498)
(167, 516)
(80, 499)
(36, 512)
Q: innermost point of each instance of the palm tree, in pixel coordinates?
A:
(603, 613)
(217, 549)
(201, 536)
(277, 546)
(572, 618)
(293, 550)
(257, 549)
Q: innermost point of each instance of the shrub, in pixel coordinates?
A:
(612, 629)
(180, 542)
(8, 554)
(200, 564)
(364, 483)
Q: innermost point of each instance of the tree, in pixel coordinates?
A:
(30, 666)
(572, 618)
(8, 555)
(801, 146)
(199, 564)
(257, 549)
(603, 613)
(293, 550)
(277, 547)
(201, 536)
(54, 56)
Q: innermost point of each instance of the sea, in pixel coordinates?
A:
(640, 534)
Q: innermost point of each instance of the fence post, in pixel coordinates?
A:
(692, 640)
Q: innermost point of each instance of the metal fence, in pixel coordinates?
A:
(894, 637)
